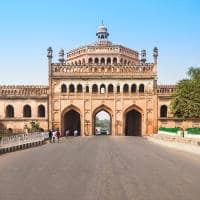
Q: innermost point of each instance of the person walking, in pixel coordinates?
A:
(66, 132)
(75, 133)
(50, 136)
(58, 135)
(54, 136)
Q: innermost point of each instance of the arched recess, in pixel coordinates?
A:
(133, 88)
(87, 89)
(163, 111)
(63, 88)
(126, 88)
(79, 88)
(9, 111)
(94, 88)
(107, 110)
(110, 88)
(96, 61)
(102, 88)
(132, 121)
(114, 61)
(90, 60)
(141, 88)
(27, 111)
(102, 61)
(108, 61)
(71, 120)
(71, 88)
(41, 111)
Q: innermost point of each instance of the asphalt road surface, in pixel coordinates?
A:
(100, 168)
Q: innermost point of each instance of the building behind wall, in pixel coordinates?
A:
(87, 80)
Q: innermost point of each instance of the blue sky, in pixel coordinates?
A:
(29, 27)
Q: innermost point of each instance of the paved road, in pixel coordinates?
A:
(100, 168)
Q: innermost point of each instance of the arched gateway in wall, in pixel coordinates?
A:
(108, 111)
(71, 120)
(112, 79)
(133, 121)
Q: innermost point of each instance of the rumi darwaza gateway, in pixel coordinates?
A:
(98, 77)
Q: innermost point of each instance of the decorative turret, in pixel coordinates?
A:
(102, 33)
(143, 56)
(50, 53)
(61, 56)
(155, 55)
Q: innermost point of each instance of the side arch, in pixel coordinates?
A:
(71, 119)
(133, 121)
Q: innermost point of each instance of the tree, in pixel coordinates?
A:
(35, 126)
(186, 98)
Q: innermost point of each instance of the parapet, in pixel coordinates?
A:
(165, 90)
(23, 91)
(87, 70)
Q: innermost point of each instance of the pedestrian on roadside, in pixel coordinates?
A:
(50, 136)
(75, 133)
(67, 133)
(58, 135)
(54, 136)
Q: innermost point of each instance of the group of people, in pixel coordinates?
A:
(75, 133)
(53, 135)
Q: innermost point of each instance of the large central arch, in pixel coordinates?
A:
(96, 111)
(71, 120)
(133, 121)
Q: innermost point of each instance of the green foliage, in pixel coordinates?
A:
(103, 123)
(171, 130)
(186, 98)
(35, 126)
(195, 131)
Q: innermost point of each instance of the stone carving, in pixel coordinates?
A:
(79, 70)
(149, 103)
(56, 105)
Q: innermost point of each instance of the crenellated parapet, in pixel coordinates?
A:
(105, 71)
(165, 90)
(23, 91)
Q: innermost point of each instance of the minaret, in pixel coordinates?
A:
(143, 56)
(50, 56)
(155, 55)
(61, 56)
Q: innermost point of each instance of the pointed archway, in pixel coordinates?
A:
(133, 121)
(102, 123)
(103, 112)
(71, 120)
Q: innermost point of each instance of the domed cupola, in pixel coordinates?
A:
(102, 33)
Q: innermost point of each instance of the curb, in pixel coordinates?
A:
(4, 150)
(184, 147)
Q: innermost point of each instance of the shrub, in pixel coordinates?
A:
(193, 131)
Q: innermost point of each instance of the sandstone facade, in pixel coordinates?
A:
(92, 78)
